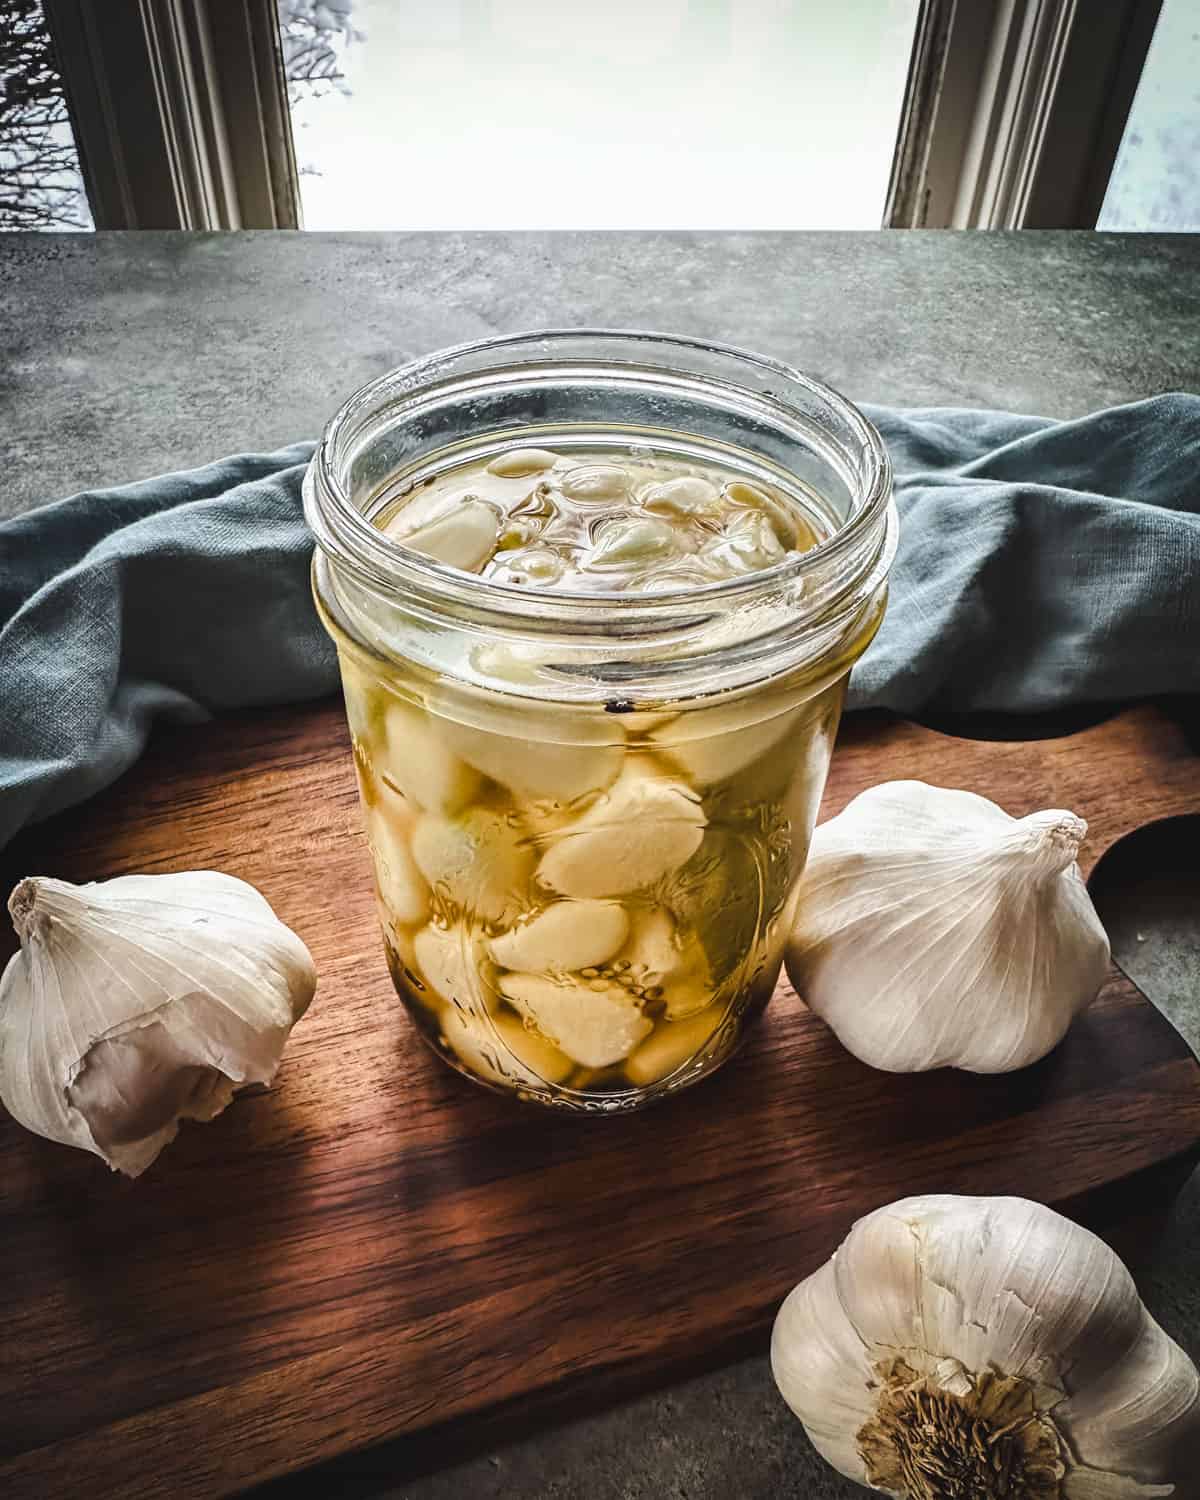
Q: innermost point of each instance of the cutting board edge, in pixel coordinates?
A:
(1112, 1210)
(1149, 1188)
(444, 1445)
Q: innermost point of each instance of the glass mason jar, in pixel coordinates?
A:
(588, 813)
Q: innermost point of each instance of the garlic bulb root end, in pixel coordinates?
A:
(986, 1347)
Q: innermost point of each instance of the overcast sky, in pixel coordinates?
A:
(521, 114)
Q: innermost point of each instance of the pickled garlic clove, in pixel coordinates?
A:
(544, 818)
(724, 895)
(728, 748)
(651, 950)
(498, 662)
(465, 537)
(503, 1050)
(401, 886)
(542, 1059)
(514, 534)
(672, 1045)
(479, 861)
(747, 545)
(449, 960)
(518, 462)
(402, 959)
(690, 988)
(595, 1026)
(534, 566)
(537, 769)
(642, 828)
(752, 526)
(421, 766)
(659, 960)
(595, 482)
(567, 935)
(365, 708)
(787, 525)
(687, 496)
(630, 541)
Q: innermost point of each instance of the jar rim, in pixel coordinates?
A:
(346, 535)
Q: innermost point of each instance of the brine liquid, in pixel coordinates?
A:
(583, 905)
(604, 519)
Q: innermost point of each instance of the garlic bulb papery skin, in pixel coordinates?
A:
(987, 1349)
(139, 1002)
(934, 930)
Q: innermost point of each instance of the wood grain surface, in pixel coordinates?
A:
(374, 1247)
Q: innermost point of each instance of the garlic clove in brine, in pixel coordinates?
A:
(991, 1344)
(934, 930)
(139, 1002)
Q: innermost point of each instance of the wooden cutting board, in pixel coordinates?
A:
(375, 1248)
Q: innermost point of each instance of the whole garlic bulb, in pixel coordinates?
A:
(986, 1348)
(936, 931)
(139, 1002)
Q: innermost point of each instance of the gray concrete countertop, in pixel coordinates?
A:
(122, 355)
(125, 355)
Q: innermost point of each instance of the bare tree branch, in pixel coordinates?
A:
(314, 34)
(40, 186)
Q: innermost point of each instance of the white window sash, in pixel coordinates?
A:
(180, 112)
(1014, 111)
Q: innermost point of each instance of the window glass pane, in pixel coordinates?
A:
(1155, 183)
(516, 114)
(40, 182)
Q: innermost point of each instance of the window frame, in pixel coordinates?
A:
(1014, 110)
(1012, 115)
(180, 112)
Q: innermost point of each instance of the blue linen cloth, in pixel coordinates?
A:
(1042, 564)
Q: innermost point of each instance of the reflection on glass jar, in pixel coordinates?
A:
(596, 598)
